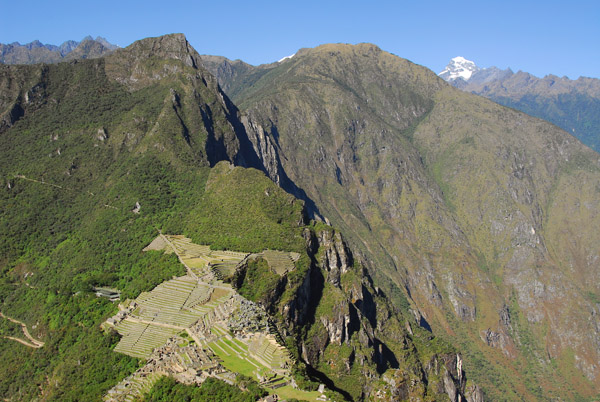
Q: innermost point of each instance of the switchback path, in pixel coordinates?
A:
(31, 345)
(34, 342)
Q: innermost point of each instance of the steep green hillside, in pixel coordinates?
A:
(99, 156)
(485, 215)
(91, 143)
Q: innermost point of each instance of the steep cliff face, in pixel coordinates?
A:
(483, 214)
(349, 335)
(518, 220)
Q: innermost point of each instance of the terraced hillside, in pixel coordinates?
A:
(201, 260)
(156, 316)
(279, 261)
(196, 310)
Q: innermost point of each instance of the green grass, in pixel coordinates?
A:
(242, 210)
(236, 363)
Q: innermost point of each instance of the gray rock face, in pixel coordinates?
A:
(265, 149)
(337, 329)
(448, 368)
(67, 47)
(173, 46)
(474, 394)
(336, 259)
(493, 339)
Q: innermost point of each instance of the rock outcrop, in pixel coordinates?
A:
(342, 325)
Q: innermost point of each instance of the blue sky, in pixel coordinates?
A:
(540, 37)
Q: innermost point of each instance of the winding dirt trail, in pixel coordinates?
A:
(34, 342)
(20, 176)
(31, 345)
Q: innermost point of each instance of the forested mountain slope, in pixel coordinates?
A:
(100, 156)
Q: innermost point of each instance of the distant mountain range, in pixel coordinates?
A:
(573, 105)
(38, 52)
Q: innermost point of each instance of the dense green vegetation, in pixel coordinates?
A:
(243, 210)
(167, 390)
(77, 357)
(88, 153)
(257, 281)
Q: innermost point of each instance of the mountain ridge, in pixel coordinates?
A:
(572, 105)
(37, 52)
(421, 232)
(468, 246)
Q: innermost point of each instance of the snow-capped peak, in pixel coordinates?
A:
(459, 67)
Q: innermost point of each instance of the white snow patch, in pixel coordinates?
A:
(460, 59)
(286, 57)
(459, 67)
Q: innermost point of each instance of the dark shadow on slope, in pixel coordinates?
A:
(367, 307)
(247, 157)
(314, 373)
(15, 113)
(384, 357)
(215, 148)
(288, 185)
(317, 284)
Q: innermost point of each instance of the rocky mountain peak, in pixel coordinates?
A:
(106, 43)
(172, 46)
(459, 67)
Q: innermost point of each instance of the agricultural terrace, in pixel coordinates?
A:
(279, 261)
(199, 260)
(170, 308)
(198, 325)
